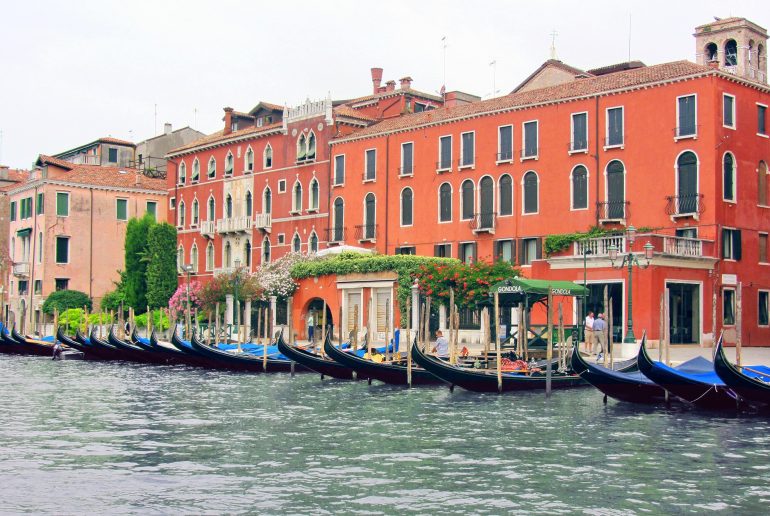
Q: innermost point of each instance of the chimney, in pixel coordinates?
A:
(390, 86)
(228, 120)
(166, 128)
(406, 82)
(376, 79)
(139, 179)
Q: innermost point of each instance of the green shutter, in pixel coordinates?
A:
(13, 210)
(152, 208)
(40, 204)
(62, 249)
(122, 207)
(62, 204)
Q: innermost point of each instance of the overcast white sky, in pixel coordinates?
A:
(73, 71)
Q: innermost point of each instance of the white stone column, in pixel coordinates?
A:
(247, 319)
(273, 304)
(229, 309)
(442, 318)
(415, 306)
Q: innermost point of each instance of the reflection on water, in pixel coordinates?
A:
(89, 437)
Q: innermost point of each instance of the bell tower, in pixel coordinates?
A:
(734, 45)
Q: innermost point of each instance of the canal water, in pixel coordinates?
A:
(79, 437)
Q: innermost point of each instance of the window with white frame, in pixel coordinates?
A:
(445, 203)
(466, 252)
(763, 308)
(506, 195)
(248, 160)
(444, 153)
(579, 188)
(301, 147)
(314, 195)
(407, 159)
(505, 251)
(728, 177)
(196, 171)
(266, 250)
(281, 186)
(296, 200)
(212, 171)
(212, 215)
(686, 116)
(194, 258)
(313, 243)
(728, 110)
(339, 169)
(467, 199)
(505, 143)
(195, 212)
(530, 192)
(311, 146)
(229, 164)
(267, 156)
(210, 257)
(467, 149)
(731, 244)
(531, 249)
(728, 307)
(762, 119)
(182, 173)
(371, 165)
(180, 215)
(762, 238)
(530, 139)
(407, 207)
(579, 130)
(296, 243)
(615, 130)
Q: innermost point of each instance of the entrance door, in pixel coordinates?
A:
(353, 309)
(684, 312)
(383, 315)
(595, 304)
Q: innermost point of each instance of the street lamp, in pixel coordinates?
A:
(630, 259)
(235, 281)
(187, 268)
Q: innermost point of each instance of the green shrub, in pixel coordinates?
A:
(65, 299)
(159, 320)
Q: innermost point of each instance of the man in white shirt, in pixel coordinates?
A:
(441, 349)
(589, 332)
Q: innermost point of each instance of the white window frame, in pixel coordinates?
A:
(296, 209)
(471, 165)
(194, 262)
(401, 207)
(677, 137)
(344, 170)
(732, 250)
(56, 249)
(734, 109)
(524, 140)
(196, 165)
(210, 263)
(622, 144)
(439, 168)
(500, 197)
(56, 205)
(734, 200)
(523, 252)
(765, 291)
(499, 161)
(246, 169)
(293, 238)
(767, 249)
(117, 199)
(572, 150)
(523, 195)
(181, 216)
(208, 168)
(765, 134)
(473, 215)
(572, 189)
(451, 201)
(182, 179)
(310, 207)
(368, 179)
(229, 158)
(264, 156)
(281, 182)
(193, 222)
(401, 169)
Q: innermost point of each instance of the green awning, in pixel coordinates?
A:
(515, 290)
(24, 232)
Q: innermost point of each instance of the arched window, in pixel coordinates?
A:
(762, 184)
(247, 253)
(687, 183)
(228, 255)
(370, 216)
(210, 257)
(182, 173)
(267, 201)
(731, 53)
(194, 258)
(248, 160)
(180, 215)
(296, 243)
(267, 157)
(616, 190)
(311, 146)
(229, 206)
(712, 52)
(249, 204)
(530, 192)
(728, 177)
(229, 163)
(486, 202)
(179, 259)
(195, 212)
(301, 147)
(212, 214)
(579, 188)
(339, 220)
(196, 171)
(406, 207)
(314, 194)
(266, 250)
(506, 195)
(296, 200)
(313, 243)
(445, 203)
(212, 168)
(467, 196)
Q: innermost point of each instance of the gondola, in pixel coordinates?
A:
(486, 380)
(697, 384)
(33, 346)
(96, 345)
(323, 366)
(751, 384)
(393, 373)
(89, 351)
(169, 354)
(8, 344)
(137, 353)
(240, 362)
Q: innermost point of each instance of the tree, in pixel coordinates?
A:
(160, 257)
(135, 280)
(471, 283)
(216, 290)
(66, 299)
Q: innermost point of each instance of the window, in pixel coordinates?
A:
(761, 119)
(314, 195)
(62, 249)
(579, 188)
(763, 248)
(531, 249)
(505, 251)
(61, 284)
(466, 252)
(180, 215)
(267, 201)
(194, 258)
(112, 155)
(210, 257)
(228, 258)
(247, 254)
(615, 127)
(506, 195)
(13, 211)
(505, 143)
(445, 153)
(182, 173)
(23, 287)
(370, 217)
(338, 233)
(686, 117)
(442, 250)
(121, 206)
(762, 184)
(195, 213)
(467, 198)
(301, 148)
(311, 146)
(266, 250)
(579, 132)
(731, 244)
(405, 250)
(313, 242)
(728, 111)
(728, 307)
(731, 53)
(172, 202)
(371, 165)
(530, 140)
(179, 259)
(467, 149)
(152, 208)
(248, 160)
(229, 206)
(339, 170)
(407, 159)
(249, 204)
(763, 315)
(25, 208)
(196, 171)
(445, 203)
(40, 247)
(406, 207)
(38, 287)
(296, 202)
(281, 186)
(728, 177)
(296, 243)
(687, 183)
(40, 204)
(530, 186)
(62, 204)
(212, 168)
(267, 157)
(212, 213)
(229, 164)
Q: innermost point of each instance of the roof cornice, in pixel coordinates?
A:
(226, 141)
(41, 182)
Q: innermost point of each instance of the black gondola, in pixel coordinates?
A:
(315, 362)
(9, 345)
(751, 384)
(396, 374)
(486, 380)
(90, 352)
(241, 362)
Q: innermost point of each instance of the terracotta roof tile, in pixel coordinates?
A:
(575, 89)
(50, 160)
(382, 94)
(117, 141)
(220, 136)
(352, 113)
(95, 175)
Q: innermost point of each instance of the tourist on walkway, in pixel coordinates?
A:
(310, 328)
(589, 332)
(600, 336)
(441, 349)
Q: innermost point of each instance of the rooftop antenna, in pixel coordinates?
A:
(493, 66)
(629, 37)
(553, 43)
(443, 86)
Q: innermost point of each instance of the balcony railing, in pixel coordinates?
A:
(208, 228)
(335, 235)
(686, 131)
(366, 232)
(466, 162)
(83, 159)
(21, 269)
(529, 153)
(234, 225)
(444, 166)
(483, 222)
(600, 246)
(224, 270)
(618, 140)
(505, 155)
(611, 211)
(690, 205)
(661, 244)
(263, 221)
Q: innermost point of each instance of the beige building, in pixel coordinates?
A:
(9, 178)
(67, 228)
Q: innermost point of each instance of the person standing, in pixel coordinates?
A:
(600, 335)
(441, 349)
(589, 332)
(310, 328)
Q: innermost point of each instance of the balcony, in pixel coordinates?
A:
(681, 206)
(599, 246)
(234, 225)
(484, 222)
(664, 245)
(208, 228)
(21, 269)
(83, 159)
(612, 212)
(336, 235)
(263, 221)
(366, 233)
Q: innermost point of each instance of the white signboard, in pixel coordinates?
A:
(729, 279)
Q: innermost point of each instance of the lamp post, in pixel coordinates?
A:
(586, 252)
(629, 260)
(187, 268)
(235, 281)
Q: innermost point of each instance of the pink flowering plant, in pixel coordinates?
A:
(178, 302)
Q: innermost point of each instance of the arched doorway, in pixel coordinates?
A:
(315, 308)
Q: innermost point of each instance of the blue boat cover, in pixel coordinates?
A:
(702, 370)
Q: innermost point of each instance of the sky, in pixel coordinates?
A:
(74, 71)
